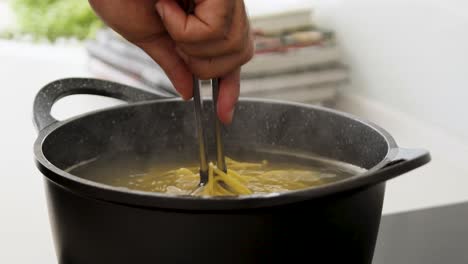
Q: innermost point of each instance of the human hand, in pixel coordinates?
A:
(213, 42)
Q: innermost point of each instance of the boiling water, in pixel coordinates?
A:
(267, 172)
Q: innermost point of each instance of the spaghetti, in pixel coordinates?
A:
(241, 178)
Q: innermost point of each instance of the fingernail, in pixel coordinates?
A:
(186, 97)
(182, 54)
(160, 9)
(230, 115)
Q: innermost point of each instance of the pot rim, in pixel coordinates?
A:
(143, 199)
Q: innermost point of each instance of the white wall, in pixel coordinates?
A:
(410, 58)
(409, 54)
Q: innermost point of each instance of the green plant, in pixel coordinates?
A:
(53, 19)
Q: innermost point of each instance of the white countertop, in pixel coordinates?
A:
(24, 69)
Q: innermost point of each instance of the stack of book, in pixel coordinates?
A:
(295, 60)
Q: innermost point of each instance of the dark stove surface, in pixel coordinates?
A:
(430, 236)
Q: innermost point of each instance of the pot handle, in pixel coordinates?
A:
(56, 90)
(403, 160)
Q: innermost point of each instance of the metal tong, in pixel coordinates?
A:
(189, 7)
(198, 104)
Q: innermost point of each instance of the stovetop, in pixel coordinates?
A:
(430, 236)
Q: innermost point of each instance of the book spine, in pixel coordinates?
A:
(303, 94)
(300, 59)
(132, 67)
(102, 70)
(284, 22)
(111, 40)
(287, 81)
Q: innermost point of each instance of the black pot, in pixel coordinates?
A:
(95, 223)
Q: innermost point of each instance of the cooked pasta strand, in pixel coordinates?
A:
(242, 178)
